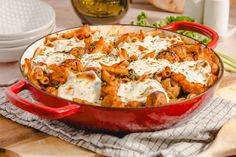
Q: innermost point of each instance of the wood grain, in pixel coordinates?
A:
(29, 142)
(48, 146)
(11, 133)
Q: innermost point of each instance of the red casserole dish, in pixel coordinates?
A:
(111, 119)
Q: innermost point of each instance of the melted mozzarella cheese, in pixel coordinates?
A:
(64, 45)
(138, 91)
(53, 58)
(111, 39)
(131, 48)
(57, 54)
(81, 88)
(93, 60)
(152, 44)
(149, 65)
(155, 43)
(195, 71)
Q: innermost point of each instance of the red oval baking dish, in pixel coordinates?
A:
(112, 119)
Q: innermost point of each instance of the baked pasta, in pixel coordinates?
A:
(147, 68)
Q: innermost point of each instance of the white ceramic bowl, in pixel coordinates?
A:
(25, 41)
(13, 53)
(24, 18)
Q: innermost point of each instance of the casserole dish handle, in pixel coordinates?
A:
(38, 109)
(195, 27)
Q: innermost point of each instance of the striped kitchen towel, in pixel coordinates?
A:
(185, 139)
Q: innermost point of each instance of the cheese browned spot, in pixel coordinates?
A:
(64, 45)
(81, 87)
(94, 60)
(138, 91)
(150, 44)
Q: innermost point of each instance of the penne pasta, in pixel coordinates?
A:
(146, 68)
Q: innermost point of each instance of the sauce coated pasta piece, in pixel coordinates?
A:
(38, 73)
(58, 75)
(190, 95)
(212, 79)
(178, 77)
(125, 38)
(67, 35)
(112, 101)
(44, 80)
(77, 52)
(82, 32)
(156, 98)
(152, 33)
(149, 55)
(166, 73)
(84, 102)
(214, 67)
(168, 55)
(180, 51)
(190, 87)
(122, 53)
(49, 39)
(73, 65)
(110, 85)
(26, 67)
(117, 69)
(109, 89)
(101, 46)
(52, 90)
(107, 77)
(134, 104)
(172, 88)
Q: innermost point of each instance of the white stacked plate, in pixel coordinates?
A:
(21, 23)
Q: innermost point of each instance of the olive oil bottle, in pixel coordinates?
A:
(100, 11)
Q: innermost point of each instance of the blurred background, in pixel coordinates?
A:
(157, 9)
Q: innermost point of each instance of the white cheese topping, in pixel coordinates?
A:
(138, 91)
(149, 65)
(64, 45)
(155, 43)
(152, 44)
(82, 88)
(108, 38)
(195, 71)
(131, 48)
(93, 60)
(57, 54)
(53, 58)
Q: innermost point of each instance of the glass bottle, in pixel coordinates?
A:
(100, 11)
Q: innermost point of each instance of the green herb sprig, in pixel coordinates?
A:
(142, 20)
(230, 63)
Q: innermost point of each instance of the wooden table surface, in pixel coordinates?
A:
(28, 142)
